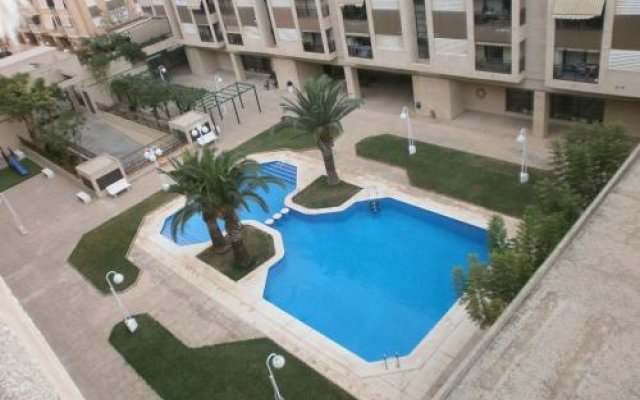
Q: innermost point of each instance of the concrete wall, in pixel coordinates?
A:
(207, 62)
(493, 102)
(443, 96)
(149, 29)
(285, 70)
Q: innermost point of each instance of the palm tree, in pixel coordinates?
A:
(196, 178)
(238, 180)
(218, 186)
(318, 110)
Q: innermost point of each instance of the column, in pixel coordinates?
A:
(238, 69)
(540, 114)
(353, 82)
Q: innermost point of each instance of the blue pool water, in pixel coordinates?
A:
(374, 283)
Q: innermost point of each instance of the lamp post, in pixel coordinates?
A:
(217, 80)
(277, 361)
(411, 145)
(524, 170)
(152, 154)
(162, 70)
(118, 278)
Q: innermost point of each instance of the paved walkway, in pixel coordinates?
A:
(74, 317)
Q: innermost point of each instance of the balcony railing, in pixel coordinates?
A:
(494, 18)
(356, 26)
(313, 47)
(499, 66)
(360, 51)
(307, 12)
(587, 73)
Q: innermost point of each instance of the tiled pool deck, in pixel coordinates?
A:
(410, 377)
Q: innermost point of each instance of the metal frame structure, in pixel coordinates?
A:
(228, 93)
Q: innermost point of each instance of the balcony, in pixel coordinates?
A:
(586, 73)
(306, 12)
(313, 47)
(493, 65)
(500, 18)
(360, 51)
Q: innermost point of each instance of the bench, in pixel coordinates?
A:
(83, 197)
(118, 187)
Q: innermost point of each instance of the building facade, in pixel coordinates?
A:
(539, 60)
(64, 23)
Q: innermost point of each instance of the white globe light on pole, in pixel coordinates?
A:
(153, 154)
(162, 70)
(276, 361)
(117, 278)
(411, 146)
(524, 169)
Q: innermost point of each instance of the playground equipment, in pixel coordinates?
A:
(14, 162)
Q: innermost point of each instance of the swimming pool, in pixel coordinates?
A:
(376, 284)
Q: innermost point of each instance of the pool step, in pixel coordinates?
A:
(287, 172)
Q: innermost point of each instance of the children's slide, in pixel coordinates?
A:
(13, 161)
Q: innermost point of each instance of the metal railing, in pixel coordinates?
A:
(587, 73)
(503, 67)
(360, 51)
(498, 19)
(136, 160)
(313, 47)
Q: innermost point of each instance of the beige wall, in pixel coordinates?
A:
(625, 112)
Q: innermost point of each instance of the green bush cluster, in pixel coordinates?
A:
(145, 91)
(583, 162)
(98, 52)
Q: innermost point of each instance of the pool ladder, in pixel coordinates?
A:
(374, 202)
(395, 357)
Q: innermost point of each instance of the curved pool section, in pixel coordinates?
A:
(195, 230)
(374, 283)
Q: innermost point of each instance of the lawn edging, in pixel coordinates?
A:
(330, 196)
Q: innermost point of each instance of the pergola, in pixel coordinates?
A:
(227, 94)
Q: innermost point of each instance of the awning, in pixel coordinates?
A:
(194, 4)
(578, 9)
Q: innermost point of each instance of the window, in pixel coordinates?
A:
(211, 6)
(234, 38)
(306, 9)
(523, 56)
(422, 36)
(577, 108)
(205, 33)
(359, 46)
(519, 101)
(354, 12)
(217, 32)
(256, 64)
(199, 11)
(226, 6)
(312, 41)
(51, 4)
(331, 42)
(580, 24)
(581, 66)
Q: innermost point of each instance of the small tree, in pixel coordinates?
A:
(318, 110)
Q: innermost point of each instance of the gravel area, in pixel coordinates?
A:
(20, 379)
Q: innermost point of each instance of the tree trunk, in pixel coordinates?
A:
(326, 148)
(234, 231)
(219, 243)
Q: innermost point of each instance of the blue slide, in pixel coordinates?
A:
(14, 163)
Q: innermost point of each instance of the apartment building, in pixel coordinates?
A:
(63, 23)
(539, 60)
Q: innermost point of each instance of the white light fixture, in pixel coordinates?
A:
(411, 144)
(524, 169)
(205, 129)
(117, 278)
(276, 361)
(194, 132)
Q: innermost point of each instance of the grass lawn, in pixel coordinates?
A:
(320, 195)
(105, 247)
(272, 139)
(9, 177)
(230, 371)
(260, 247)
(476, 179)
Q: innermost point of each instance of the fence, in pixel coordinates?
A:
(135, 160)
